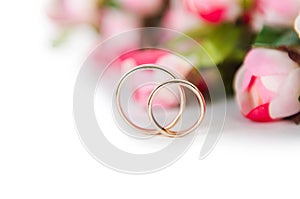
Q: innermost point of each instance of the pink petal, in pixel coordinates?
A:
(286, 9)
(297, 25)
(262, 61)
(141, 95)
(143, 8)
(115, 21)
(215, 15)
(239, 79)
(215, 11)
(127, 65)
(144, 56)
(185, 22)
(175, 63)
(255, 95)
(273, 82)
(248, 78)
(260, 114)
(244, 100)
(265, 95)
(163, 98)
(286, 103)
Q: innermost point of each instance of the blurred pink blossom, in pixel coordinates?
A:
(142, 8)
(215, 11)
(178, 18)
(116, 21)
(267, 86)
(139, 57)
(72, 12)
(175, 64)
(275, 13)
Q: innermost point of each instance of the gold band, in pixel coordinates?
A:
(166, 130)
(120, 109)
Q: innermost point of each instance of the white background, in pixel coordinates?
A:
(41, 155)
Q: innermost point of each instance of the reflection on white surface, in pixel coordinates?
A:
(104, 114)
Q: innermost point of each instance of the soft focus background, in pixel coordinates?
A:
(257, 38)
(42, 157)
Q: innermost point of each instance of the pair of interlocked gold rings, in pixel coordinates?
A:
(175, 80)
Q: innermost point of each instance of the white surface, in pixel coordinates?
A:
(42, 157)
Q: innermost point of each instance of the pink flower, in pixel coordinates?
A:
(215, 11)
(115, 21)
(175, 64)
(275, 13)
(178, 18)
(164, 98)
(267, 86)
(72, 12)
(138, 57)
(142, 8)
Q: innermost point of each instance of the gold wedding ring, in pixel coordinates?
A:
(160, 129)
(118, 98)
(166, 130)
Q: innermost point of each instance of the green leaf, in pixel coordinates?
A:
(218, 41)
(248, 4)
(109, 3)
(221, 43)
(275, 37)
